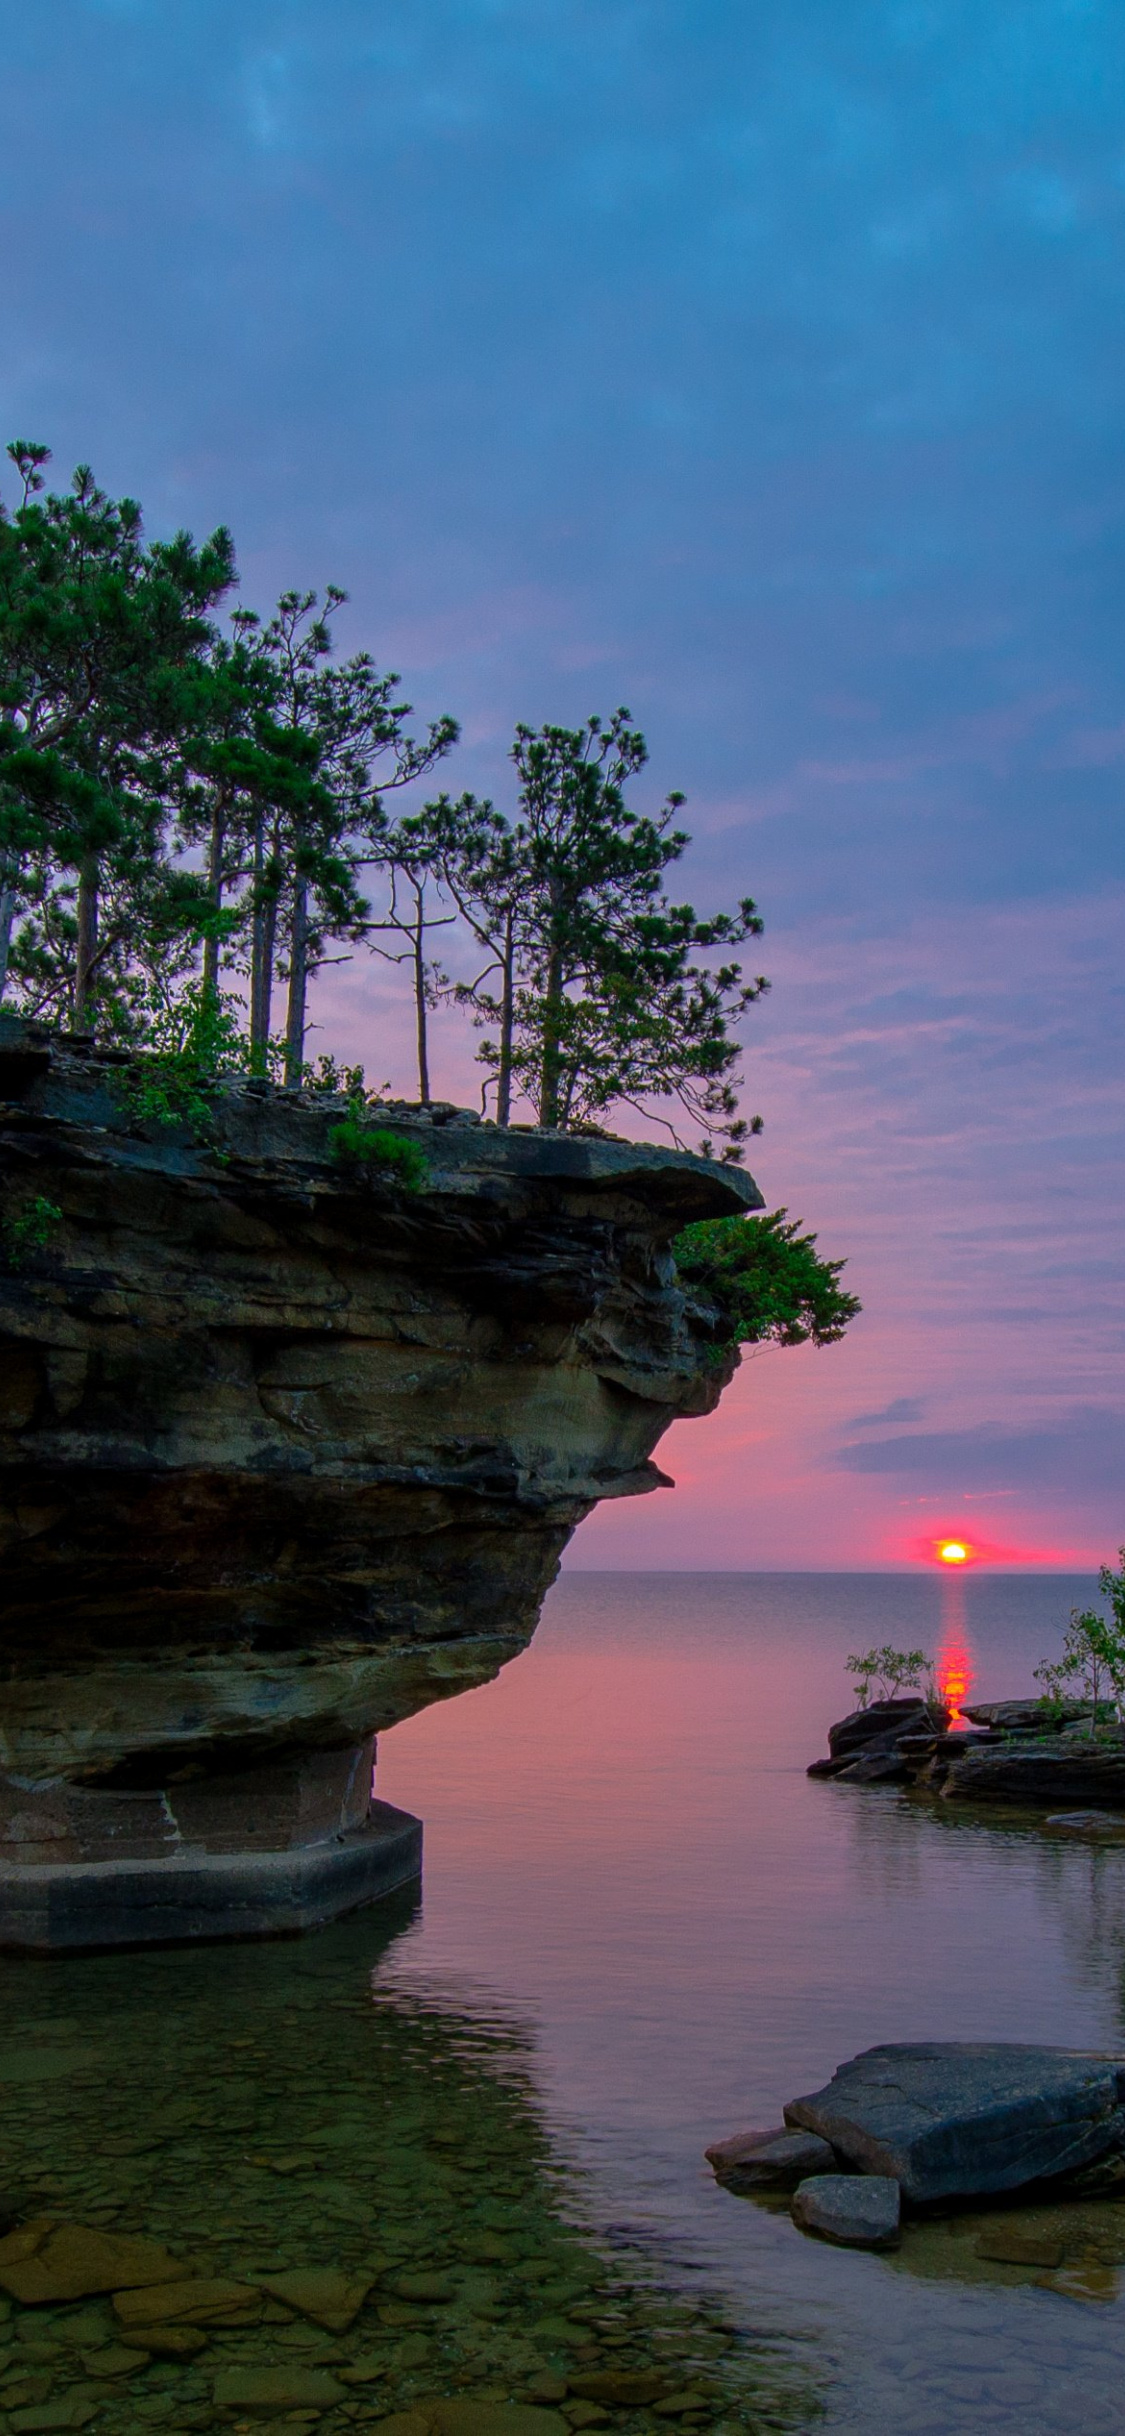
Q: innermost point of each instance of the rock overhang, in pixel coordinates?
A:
(286, 1453)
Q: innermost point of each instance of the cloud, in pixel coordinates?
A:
(1078, 1456)
(904, 1408)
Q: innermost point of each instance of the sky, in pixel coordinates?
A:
(759, 366)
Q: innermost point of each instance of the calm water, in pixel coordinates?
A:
(623, 1846)
(642, 1928)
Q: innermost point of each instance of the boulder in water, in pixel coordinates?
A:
(769, 2161)
(858, 2211)
(957, 2121)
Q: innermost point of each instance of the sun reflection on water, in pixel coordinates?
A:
(954, 1667)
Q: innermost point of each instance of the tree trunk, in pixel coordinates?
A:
(263, 940)
(507, 1022)
(552, 1025)
(298, 987)
(420, 1002)
(7, 917)
(215, 883)
(86, 947)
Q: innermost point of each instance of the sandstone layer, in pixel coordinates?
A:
(287, 1451)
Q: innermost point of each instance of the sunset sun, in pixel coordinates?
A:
(953, 1552)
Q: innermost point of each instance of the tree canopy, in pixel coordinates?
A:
(198, 804)
(194, 798)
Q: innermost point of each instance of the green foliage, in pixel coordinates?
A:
(1092, 1665)
(97, 628)
(889, 1671)
(182, 801)
(602, 990)
(29, 1230)
(356, 1143)
(195, 1040)
(766, 1280)
(328, 1080)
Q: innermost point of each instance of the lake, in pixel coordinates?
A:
(622, 1844)
(642, 1928)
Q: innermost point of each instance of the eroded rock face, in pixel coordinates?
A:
(287, 1453)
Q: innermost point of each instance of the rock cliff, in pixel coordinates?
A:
(286, 1450)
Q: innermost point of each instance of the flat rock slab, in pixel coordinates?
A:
(1028, 1716)
(278, 2389)
(1011, 2248)
(53, 2418)
(53, 2262)
(1049, 1775)
(200, 2300)
(858, 2211)
(1107, 1824)
(741, 2145)
(168, 2342)
(620, 2389)
(769, 2161)
(462, 2416)
(953, 2121)
(466, 2417)
(327, 2295)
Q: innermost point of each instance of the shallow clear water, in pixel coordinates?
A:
(642, 1928)
(622, 1843)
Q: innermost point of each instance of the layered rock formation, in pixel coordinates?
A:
(288, 1451)
(1030, 1753)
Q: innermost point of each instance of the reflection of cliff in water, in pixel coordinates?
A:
(281, 2107)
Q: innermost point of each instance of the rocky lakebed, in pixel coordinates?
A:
(272, 2195)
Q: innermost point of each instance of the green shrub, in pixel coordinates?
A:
(194, 1042)
(1092, 1665)
(329, 1080)
(355, 1143)
(29, 1230)
(889, 1671)
(766, 1280)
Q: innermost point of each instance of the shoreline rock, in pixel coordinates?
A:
(1020, 1752)
(963, 2120)
(937, 2123)
(769, 2161)
(856, 2211)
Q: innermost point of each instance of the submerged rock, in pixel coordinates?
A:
(327, 2295)
(623, 2389)
(858, 2211)
(278, 2389)
(199, 2300)
(51, 2262)
(957, 2121)
(769, 2161)
(1009, 2247)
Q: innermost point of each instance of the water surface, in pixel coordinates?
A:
(642, 1928)
(621, 1839)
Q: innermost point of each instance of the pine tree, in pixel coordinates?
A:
(96, 631)
(608, 992)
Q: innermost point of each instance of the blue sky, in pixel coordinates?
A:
(759, 366)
